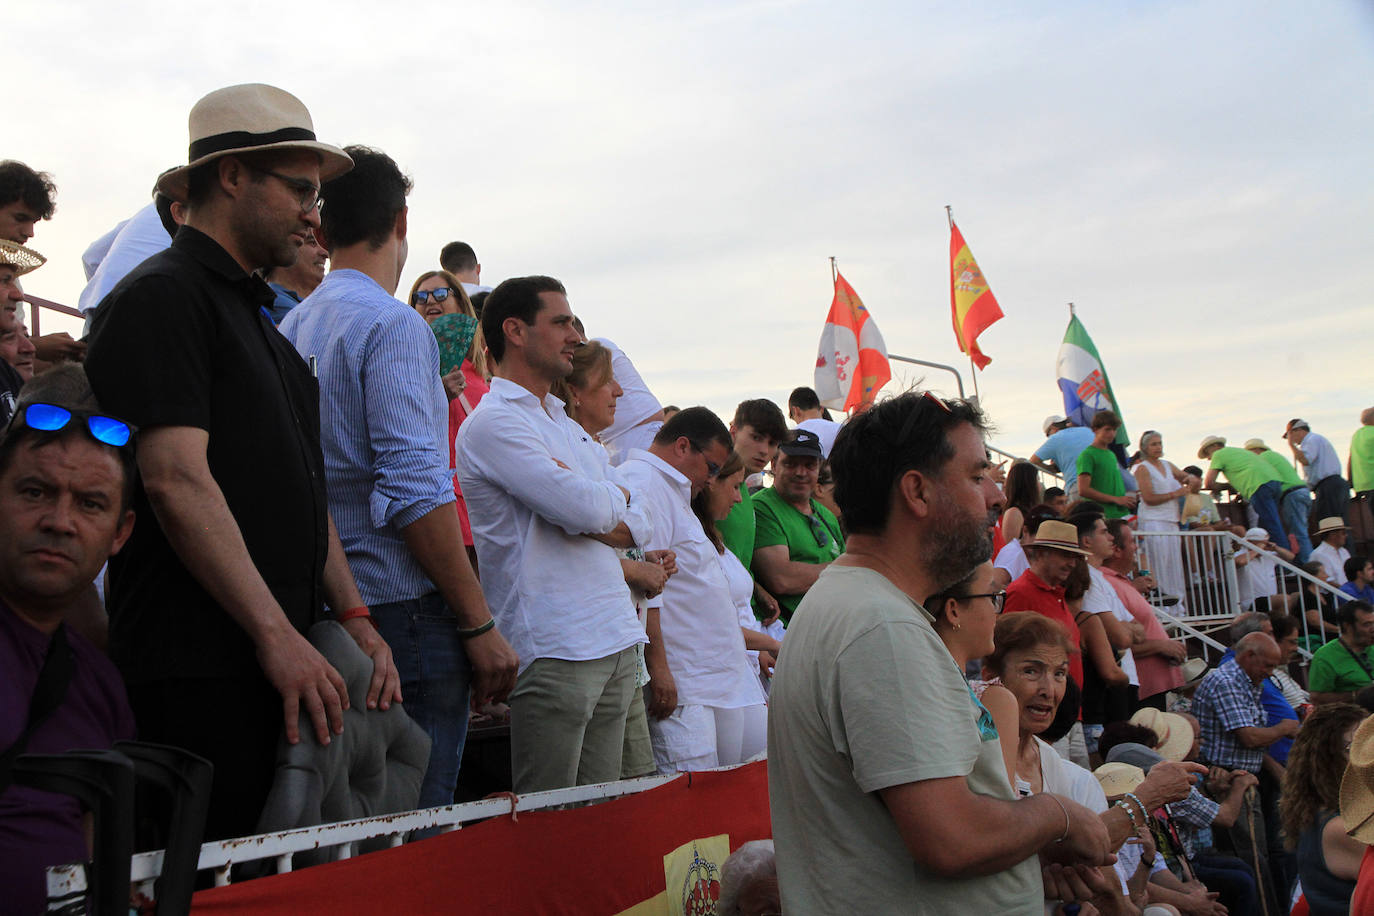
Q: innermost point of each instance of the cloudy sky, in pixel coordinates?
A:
(1195, 177)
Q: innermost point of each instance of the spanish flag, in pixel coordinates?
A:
(973, 306)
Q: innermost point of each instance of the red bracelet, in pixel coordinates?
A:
(355, 612)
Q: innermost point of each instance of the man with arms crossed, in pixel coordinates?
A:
(546, 535)
(884, 796)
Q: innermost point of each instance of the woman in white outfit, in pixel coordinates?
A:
(1162, 487)
(711, 505)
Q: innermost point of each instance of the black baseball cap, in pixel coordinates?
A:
(803, 444)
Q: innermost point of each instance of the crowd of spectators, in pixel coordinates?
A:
(255, 434)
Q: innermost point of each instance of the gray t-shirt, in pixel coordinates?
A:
(866, 696)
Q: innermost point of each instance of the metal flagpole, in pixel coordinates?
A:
(834, 271)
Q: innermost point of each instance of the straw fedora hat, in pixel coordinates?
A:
(23, 260)
(1256, 443)
(1119, 778)
(1333, 523)
(1193, 670)
(1208, 443)
(249, 118)
(1058, 536)
(1357, 786)
(1175, 734)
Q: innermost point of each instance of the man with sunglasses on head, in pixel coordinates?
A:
(795, 537)
(66, 477)
(236, 555)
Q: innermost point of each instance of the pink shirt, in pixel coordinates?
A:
(1156, 673)
(476, 387)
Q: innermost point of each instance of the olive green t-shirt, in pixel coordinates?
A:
(1335, 669)
(1288, 476)
(1106, 476)
(1362, 459)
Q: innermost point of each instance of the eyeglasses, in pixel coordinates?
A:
(50, 418)
(819, 531)
(307, 193)
(421, 297)
(999, 599)
(712, 469)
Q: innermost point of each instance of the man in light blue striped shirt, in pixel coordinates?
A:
(384, 420)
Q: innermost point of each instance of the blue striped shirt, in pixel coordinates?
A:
(384, 425)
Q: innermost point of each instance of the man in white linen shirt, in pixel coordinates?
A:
(546, 535)
(1321, 467)
(705, 705)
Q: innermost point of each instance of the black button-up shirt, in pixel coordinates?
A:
(183, 341)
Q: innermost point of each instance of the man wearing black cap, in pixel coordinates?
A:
(1321, 467)
(795, 537)
(235, 555)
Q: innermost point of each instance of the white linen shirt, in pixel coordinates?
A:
(555, 593)
(1322, 455)
(1102, 598)
(701, 634)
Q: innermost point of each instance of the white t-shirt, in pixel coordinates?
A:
(701, 634)
(1257, 579)
(635, 406)
(825, 430)
(1012, 558)
(141, 237)
(1332, 560)
(1102, 598)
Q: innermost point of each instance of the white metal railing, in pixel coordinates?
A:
(67, 883)
(1210, 588)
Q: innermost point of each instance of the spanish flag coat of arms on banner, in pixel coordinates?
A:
(972, 303)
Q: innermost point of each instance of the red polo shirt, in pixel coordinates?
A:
(1031, 593)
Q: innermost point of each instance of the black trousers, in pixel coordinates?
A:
(232, 722)
(1332, 498)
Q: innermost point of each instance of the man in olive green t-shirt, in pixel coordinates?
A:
(1256, 482)
(1099, 474)
(1345, 666)
(795, 537)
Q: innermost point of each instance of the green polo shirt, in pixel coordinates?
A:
(809, 539)
(1362, 459)
(1245, 471)
(1288, 475)
(1101, 465)
(737, 528)
(1335, 669)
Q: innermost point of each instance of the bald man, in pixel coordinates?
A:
(1228, 707)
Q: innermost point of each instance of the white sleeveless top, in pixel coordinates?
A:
(1161, 482)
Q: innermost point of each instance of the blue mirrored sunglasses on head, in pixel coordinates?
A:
(440, 294)
(50, 418)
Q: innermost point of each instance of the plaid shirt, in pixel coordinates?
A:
(1227, 700)
(1193, 818)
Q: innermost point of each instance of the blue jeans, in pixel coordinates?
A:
(1231, 878)
(1294, 509)
(423, 636)
(1266, 503)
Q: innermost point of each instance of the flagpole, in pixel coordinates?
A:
(949, 213)
(834, 272)
(1071, 313)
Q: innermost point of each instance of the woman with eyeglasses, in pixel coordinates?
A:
(436, 293)
(1030, 659)
(1310, 806)
(965, 614)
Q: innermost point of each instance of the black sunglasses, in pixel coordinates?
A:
(422, 297)
(711, 467)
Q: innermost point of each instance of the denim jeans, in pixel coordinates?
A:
(1294, 509)
(1265, 501)
(423, 636)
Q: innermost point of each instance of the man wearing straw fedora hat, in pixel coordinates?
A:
(1254, 480)
(1331, 551)
(15, 261)
(234, 553)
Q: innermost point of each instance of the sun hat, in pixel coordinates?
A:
(1296, 423)
(1357, 785)
(249, 118)
(1257, 535)
(1256, 443)
(1333, 523)
(1119, 778)
(1175, 734)
(1051, 422)
(23, 260)
(1193, 671)
(1058, 535)
(1208, 443)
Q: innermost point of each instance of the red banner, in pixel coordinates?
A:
(606, 858)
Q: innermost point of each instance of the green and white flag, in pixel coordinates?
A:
(1083, 380)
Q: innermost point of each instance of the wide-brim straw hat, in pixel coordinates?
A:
(1256, 443)
(1058, 536)
(1208, 443)
(1175, 734)
(1332, 523)
(1119, 778)
(23, 260)
(252, 117)
(1357, 785)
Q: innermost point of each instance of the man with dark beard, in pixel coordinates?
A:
(886, 781)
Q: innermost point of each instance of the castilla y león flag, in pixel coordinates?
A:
(973, 305)
(852, 363)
